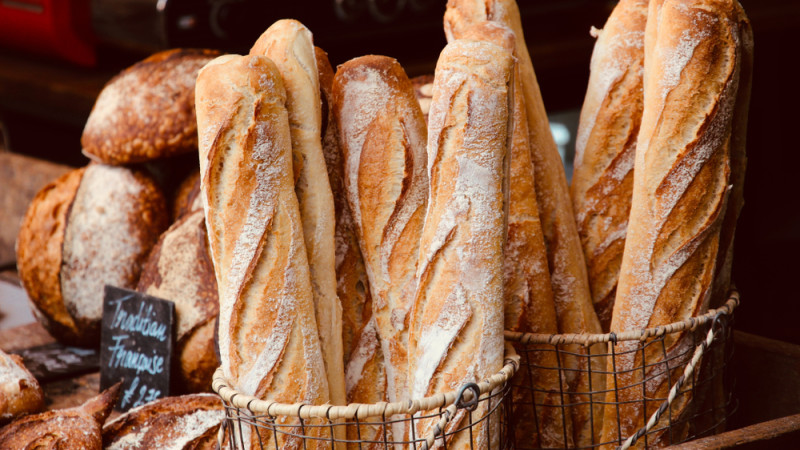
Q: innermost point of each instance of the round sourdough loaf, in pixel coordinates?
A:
(179, 269)
(171, 423)
(91, 227)
(20, 393)
(147, 111)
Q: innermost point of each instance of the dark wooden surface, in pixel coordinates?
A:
(783, 433)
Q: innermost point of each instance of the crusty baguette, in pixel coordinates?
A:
(537, 421)
(382, 135)
(289, 44)
(352, 283)
(188, 422)
(568, 276)
(268, 339)
(78, 428)
(692, 62)
(602, 182)
(179, 269)
(456, 333)
(20, 393)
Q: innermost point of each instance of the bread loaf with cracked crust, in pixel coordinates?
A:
(568, 277)
(602, 181)
(147, 111)
(383, 136)
(693, 56)
(188, 422)
(20, 393)
(456, 333)
(78, 428)
(179, 269)
(91, 227)
(290, 46)
(268, 339)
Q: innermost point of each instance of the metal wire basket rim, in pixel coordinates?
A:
(588, 339)
(359, 410)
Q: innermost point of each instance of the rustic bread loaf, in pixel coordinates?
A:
(382, 135)
(189, 422)
(602, 181)
(147, 111)
(78, 428)
(256, 238)
(693, 57)
(187, 197)
(20, 393)
(290, 45)
(91, 227)
(456, 332)
(179, 269)
(568, 277)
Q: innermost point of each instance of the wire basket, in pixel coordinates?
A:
(456, 416)
(671, 377)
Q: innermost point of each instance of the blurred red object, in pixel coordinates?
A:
(59, 28)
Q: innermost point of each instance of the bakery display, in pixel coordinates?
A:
(147, 111)
(20, 393)
(189, 422)
(91, 227)
(256, 236)
(78, 428)
(693, 60)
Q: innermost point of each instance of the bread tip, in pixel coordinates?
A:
(100, 406)
(595, 32)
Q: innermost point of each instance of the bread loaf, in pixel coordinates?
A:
(352, 284)
(568, 277)
(456, 333)
(289, 44)
(423, 89)
(78, 428)
(693, 55)
(147, 111)
(256, 239)
(189, 422)
(187, 197)
(382, 135)
(537, 420)
(179, 269)
(20, 393)
(91, 227)
(602, 181)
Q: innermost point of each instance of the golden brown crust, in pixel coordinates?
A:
(382, 135)
(179, 269)
(188, 422)
(256, 236)
(78, 428)
(456, 331)
(693, 57)
(351, 275)
(147, 111)
(39, 245)
(187, 197)
(20, 393)
(602, 182)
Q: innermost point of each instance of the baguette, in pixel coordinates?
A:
(289, 44)
(692, 64)
(256, 239)
(529, 306)
(602, 182)
(568, 277)
(382, 134)
(456, 333)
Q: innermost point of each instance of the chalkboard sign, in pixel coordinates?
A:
(51, 362)
(136, 346)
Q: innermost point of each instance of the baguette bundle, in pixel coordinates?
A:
(456, 333)
(693, 58)
(268, 340)
(605, 147)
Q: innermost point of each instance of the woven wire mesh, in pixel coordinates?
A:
(488, 413)
(700, 406)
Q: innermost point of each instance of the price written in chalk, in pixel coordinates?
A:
(136, 345)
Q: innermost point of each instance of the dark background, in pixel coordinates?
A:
(44, 104)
